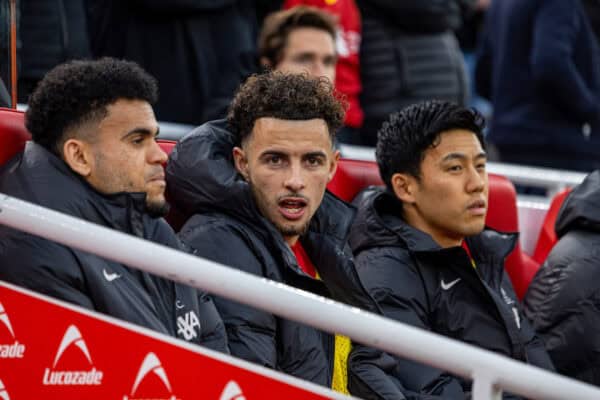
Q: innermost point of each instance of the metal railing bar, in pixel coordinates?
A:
(396, 338)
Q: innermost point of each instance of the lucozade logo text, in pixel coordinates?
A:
(11, 350)
(72, 339)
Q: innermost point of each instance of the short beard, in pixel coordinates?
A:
(157, 209)
(289, 231)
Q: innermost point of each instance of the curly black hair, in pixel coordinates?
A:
(404, 138)
(278, 25)
(79, 91)
(284, 96)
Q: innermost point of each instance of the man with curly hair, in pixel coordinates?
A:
(94, 156)
(254, 186)
(424, 255)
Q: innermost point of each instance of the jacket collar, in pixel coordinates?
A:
(379, 223)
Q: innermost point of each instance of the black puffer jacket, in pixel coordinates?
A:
(408, 54)
(198, 50)
(50, 33)
(88, 280)
(227, 227)
(417, 282)
(563, 299)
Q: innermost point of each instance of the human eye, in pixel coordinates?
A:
(303, 58)
(138, 140)
(330, 61)
(455, 168)
(274, 159)
(481, 166)
(314, 161)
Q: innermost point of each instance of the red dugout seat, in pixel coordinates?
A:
(547, 238)
(13, 134)
(353, 175)
(166, 145)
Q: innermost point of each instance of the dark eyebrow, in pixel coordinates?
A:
(142, 131)
(273, 153)
(305, 54)
(462, 156)
(314, 154)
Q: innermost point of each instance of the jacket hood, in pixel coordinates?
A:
(379, 223)
(41, 177)
(201, 177)
(581, 209)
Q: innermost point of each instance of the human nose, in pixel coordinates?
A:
(295, 180)
(157, 154)
(477, 180)
(318, 69)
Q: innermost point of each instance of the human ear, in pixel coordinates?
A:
(404, 186)
(240, 161)
(333, 165)
(78, 157)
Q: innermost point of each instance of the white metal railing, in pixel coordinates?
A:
(553, 180)
(490, 372)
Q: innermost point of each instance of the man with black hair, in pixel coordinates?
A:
(255, 187)
(422, 252)
(94, 156)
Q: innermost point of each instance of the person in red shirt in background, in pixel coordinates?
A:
(346, 74)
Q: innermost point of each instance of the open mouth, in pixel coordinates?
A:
(292, 208)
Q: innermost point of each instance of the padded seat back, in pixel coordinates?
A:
(354, 175)
(13, 134)
(547, 238)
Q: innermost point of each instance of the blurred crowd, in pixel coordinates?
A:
(532, 69)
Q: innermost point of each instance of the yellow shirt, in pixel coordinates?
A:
(343, 346)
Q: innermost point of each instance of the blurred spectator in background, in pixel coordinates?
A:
(347, 70)
(50, 33)
(539, 64)
(199, 51)
(562, 300)
(299, 40)
(468, 37)
(408, 54)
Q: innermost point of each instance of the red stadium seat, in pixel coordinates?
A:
(175, 218)
(13, 134)
(166, 145)
(352, 176)
(547, 238)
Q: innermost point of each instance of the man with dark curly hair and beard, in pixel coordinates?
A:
(255, 187)
(94, 156)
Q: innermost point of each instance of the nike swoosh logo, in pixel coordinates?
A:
(447, 286)
(110, 277)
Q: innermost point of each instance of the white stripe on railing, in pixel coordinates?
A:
(489, 370)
